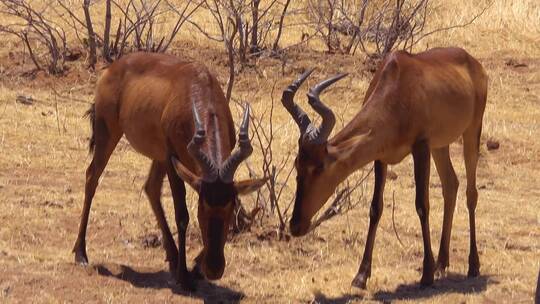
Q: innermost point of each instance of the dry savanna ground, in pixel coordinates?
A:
(43, 157)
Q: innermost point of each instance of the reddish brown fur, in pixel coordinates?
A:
(415, 104)
(149, 99)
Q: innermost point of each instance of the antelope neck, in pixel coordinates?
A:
(358, 143)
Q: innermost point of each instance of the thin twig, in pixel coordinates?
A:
(454, 26)
(393, 221)
(342, 202)
(57, 114)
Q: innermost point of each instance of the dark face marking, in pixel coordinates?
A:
(218, 193)
(298, 200)
(216, 205)
(308, 163)
(215, 259)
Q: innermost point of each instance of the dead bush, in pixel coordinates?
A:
(32, 25)
(376, 27)
(270, 202)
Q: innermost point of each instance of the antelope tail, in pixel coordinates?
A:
(91, 114)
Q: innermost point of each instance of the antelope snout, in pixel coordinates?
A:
(299, 228)
(214, 266)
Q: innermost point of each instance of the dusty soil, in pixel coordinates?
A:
(43, 157)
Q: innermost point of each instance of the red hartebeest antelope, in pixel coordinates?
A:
(415, 104)
(175, 113)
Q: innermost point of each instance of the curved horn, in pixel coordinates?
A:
(299, 116)
(209, 171)
(226, 173)
(320, 134)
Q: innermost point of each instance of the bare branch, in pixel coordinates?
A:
(91, 37)
(394, 222)
(280, 25)
(106, 32)
(342, 202)
(33, 25)
(471, 21)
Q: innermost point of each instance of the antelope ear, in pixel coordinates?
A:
(185, 174)
(250, 185)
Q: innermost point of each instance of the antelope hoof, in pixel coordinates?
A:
(474, 266)
(186, 281)
(473, 272)
(80, 257)
(360, 280)
(426, 280)
(196, 273)
(428, 273)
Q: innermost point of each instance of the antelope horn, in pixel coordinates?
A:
(320, 135)
(209, 171)
(299, 116)
(226, 173)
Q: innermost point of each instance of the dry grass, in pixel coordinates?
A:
(44, 156)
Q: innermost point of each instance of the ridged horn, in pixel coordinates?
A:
(209, 170)
(299, 116)
(320, 134)
(227, 170)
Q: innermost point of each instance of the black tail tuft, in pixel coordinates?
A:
(91, 114)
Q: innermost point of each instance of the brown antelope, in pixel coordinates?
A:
(415, 104)
(175, 113)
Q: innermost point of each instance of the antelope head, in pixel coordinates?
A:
(318, 166)
(217, 193)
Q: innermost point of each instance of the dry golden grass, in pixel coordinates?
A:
(44, 156)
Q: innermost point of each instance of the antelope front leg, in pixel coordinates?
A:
(152, 188)
(178, 190)
(421, 157)
(471, 140)
(450, 186)
(364, 272)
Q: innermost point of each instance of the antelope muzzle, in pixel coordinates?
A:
(213, 263)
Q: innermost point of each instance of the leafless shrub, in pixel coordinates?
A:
(278, 173)
(66, 12)
(137, 22)
(387, 24)
(275, 46)
(244, 27)
(91, 36)
(394, 25)
(279, 170)
(106, 52)
(251, 21)
(322, 14)
(137, 26)
(375, 26)
(33, 27)
(343, 200)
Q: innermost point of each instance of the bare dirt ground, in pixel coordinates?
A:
(43, 157)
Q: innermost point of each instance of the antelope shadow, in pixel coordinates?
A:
(321, 298)
(206, 291)
(451, 283)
